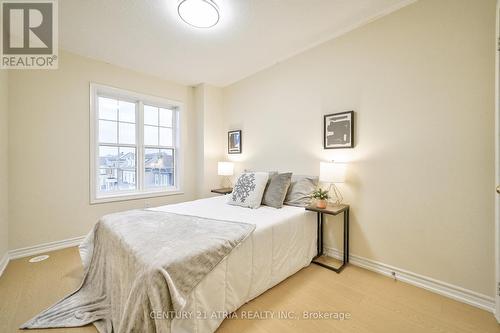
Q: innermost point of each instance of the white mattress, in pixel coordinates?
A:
(283, 242)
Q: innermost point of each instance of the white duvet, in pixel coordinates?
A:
(283, 242)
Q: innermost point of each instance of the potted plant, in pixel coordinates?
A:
(321, 197)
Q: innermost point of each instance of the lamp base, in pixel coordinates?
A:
(226, 181)
(336, 195)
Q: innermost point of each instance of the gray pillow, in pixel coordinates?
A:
(276, 189)
(300, 191)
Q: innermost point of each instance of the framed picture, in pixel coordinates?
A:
(234, 142)
(338, 130)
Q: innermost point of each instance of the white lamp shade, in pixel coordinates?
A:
(332, 172)
(225, 168)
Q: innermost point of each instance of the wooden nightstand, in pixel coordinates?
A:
(224, 190)
(332, 210)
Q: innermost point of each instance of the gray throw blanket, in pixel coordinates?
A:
(143, 261)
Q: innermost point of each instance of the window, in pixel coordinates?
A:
(134, 145)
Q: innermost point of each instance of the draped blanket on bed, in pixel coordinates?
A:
(140, 263)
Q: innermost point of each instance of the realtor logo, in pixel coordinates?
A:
(29, 34)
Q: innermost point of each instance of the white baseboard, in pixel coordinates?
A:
(458, 293)
(3, 262)
(439, 287)
(38, 249)
(46, 247)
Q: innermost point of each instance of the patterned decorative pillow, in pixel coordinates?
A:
(271, 174)
(248, 190)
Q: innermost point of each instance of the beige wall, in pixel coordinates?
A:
(4, 230)
(49, 147)
(421, 176)
(211, 137)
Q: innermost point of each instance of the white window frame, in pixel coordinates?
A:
(96, 196)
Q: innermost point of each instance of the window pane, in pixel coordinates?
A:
(108, 157)
(167, 167)
(108, 161)
(159, 168)
(107, 131)
(126, 179)
(127, 111)
(109, 181)
(117, 169)
(166, 137)
(108, 108)
(166, 117)
(127, 172)
(127, 133)
(127, 158)
(150, 167)
(150, 136)
(150, 115)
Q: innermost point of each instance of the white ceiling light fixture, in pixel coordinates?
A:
(199, 13)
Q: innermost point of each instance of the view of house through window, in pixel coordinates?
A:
(158, 134)
(159, 164)
(136, 146)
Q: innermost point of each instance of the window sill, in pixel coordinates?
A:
(135, 196)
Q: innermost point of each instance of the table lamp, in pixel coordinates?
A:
(225, 169)
(332, 173)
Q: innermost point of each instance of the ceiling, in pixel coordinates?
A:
(149, 37)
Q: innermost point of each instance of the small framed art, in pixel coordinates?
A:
(338, 130)
(234, 142)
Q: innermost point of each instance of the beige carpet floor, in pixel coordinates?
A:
(374, 303)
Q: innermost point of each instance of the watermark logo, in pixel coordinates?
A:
(29, 33)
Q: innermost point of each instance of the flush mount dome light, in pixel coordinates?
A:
(199, 13)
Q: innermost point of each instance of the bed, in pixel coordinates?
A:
(280, 243)
(288, 234)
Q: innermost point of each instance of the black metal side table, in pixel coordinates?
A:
(331, 210)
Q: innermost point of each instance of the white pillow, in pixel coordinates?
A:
(249, 189)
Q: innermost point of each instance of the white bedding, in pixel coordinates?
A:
(283, 242)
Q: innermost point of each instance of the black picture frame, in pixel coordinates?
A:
(234, 142)
(343, 124)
